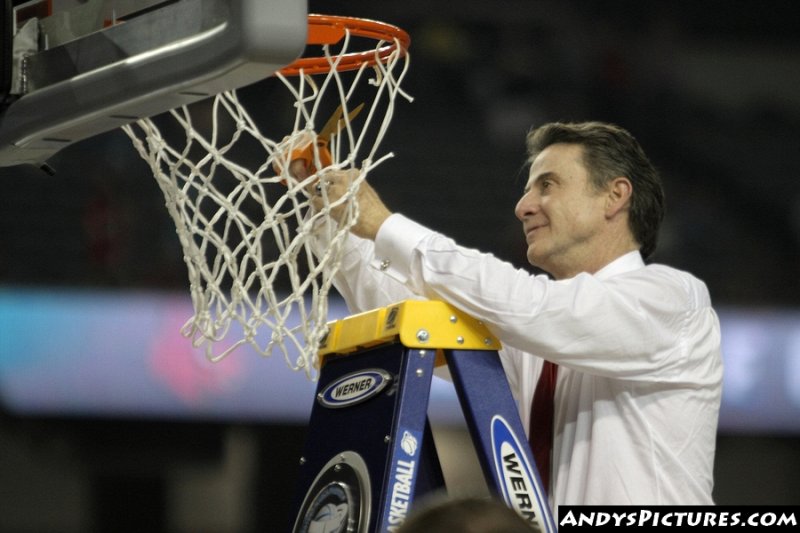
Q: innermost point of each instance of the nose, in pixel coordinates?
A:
(526, 206)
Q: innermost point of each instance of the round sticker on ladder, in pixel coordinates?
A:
(340, 498)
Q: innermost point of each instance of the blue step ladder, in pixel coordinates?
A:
(369, 453)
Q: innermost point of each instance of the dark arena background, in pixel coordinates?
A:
(109, 421)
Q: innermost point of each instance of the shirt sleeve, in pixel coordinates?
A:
(636, 326)
(362, 286)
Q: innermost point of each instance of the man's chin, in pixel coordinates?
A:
(538, 259)
(535, 260)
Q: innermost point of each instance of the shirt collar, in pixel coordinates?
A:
(624, 263)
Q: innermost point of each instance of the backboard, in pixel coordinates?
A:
(79, 68)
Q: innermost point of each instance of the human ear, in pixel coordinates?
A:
(618, 195)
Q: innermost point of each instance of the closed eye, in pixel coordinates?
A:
(543, 182)
(545, 185)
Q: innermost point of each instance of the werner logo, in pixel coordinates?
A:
(354, 388)
(519, 485)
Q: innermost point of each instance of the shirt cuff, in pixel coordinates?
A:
(395, 243)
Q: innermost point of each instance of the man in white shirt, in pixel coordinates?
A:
(637, 346)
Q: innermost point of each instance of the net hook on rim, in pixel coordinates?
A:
(330, 29)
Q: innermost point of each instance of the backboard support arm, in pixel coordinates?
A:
(162, 59)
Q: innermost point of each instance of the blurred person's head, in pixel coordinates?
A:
(467, 515)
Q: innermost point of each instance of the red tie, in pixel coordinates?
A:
(541, 421)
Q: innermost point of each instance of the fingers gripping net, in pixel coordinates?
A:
(246, 225)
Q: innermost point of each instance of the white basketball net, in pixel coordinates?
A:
(246, 224)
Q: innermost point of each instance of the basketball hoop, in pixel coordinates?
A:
(245, 223)
(329, 30)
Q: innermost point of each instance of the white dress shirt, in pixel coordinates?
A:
(638, 349)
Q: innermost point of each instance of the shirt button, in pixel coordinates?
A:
(385, 264)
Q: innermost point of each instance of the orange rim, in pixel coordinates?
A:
(329, 29)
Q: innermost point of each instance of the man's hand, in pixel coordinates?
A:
(372, 212)
(332, 185)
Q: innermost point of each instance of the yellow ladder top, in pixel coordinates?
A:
(414, 323)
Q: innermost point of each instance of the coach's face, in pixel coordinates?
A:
(562, 215)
